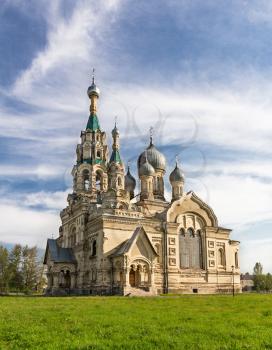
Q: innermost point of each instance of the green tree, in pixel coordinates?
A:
(258, 278)
(15, 265)
(258, 269)
(4, 269)
(29, 268)
(268, 282)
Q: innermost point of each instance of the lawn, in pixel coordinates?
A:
(183, 322)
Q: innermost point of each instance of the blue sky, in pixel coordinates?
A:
(198, 71)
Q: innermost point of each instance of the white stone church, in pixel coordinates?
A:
(114, 241)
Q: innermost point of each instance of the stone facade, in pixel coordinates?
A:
(111, 242)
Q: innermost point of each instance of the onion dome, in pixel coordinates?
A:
(130, 182)
(176, 175)
(154, 157)
(93, 89)
(146, 169)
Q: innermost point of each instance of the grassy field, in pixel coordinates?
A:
(185, 322)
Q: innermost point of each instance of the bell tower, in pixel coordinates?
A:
(90, 172)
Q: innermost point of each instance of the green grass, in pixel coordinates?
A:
(185, 322)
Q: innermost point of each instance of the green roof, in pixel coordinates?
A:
(115, 157)
(93, 123)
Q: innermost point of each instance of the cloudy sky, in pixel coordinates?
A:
(198, 71)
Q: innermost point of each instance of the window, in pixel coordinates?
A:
(98, 154)
(98, 182)
(190, 249)
(236, 260)
(86, 179)
(119, 181)
(221, 257)
(94, 248)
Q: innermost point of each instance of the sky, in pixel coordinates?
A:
(198, 71)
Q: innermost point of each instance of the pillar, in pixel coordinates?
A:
(56, 280)
(73, 280)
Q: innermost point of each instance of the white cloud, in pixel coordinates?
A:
(49, 200)
(43, 171)
(26, 226)
(237, 200)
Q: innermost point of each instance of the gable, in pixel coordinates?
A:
(190, 203)
(137, 245)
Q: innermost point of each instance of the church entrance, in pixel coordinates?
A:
(132, 277)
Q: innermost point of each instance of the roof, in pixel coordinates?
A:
(124, 247)
(115, 157)
(59, 254)
(93, 123)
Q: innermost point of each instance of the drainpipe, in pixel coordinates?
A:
(165, 260)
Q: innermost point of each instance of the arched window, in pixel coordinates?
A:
(94, 248)
(98, 182)
(119, 181)
(86, 179)
(98, 154)
(221, 257)
(236, 260)
(190, 249)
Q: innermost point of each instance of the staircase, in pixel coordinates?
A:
(138, 292)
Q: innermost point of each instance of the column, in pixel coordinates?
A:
(56, 280)
(73, 280)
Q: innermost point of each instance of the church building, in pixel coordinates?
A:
(113, 240)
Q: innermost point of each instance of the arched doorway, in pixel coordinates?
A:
(139, 275)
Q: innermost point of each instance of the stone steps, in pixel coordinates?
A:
(137, 292)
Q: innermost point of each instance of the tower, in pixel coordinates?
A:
(158, 162)
(116, 167)
(146, 175)
(176, 179)
(90, 173)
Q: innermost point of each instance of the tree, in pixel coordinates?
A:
(29, 268)
(268, 282)
(15, 264)
(258, 269)
(259, 279)
(4, 269)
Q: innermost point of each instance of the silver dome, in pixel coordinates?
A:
(176, 175)
(93, 90)
(154, 157)
(146, 169)
(130, 182)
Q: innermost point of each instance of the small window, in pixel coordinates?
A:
(236, 260)
(94, 248)
(98, 154)
(119, 181)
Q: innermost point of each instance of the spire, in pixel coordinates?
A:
(93, 93)
(115, 156)
(93, 77)
(151, 132)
